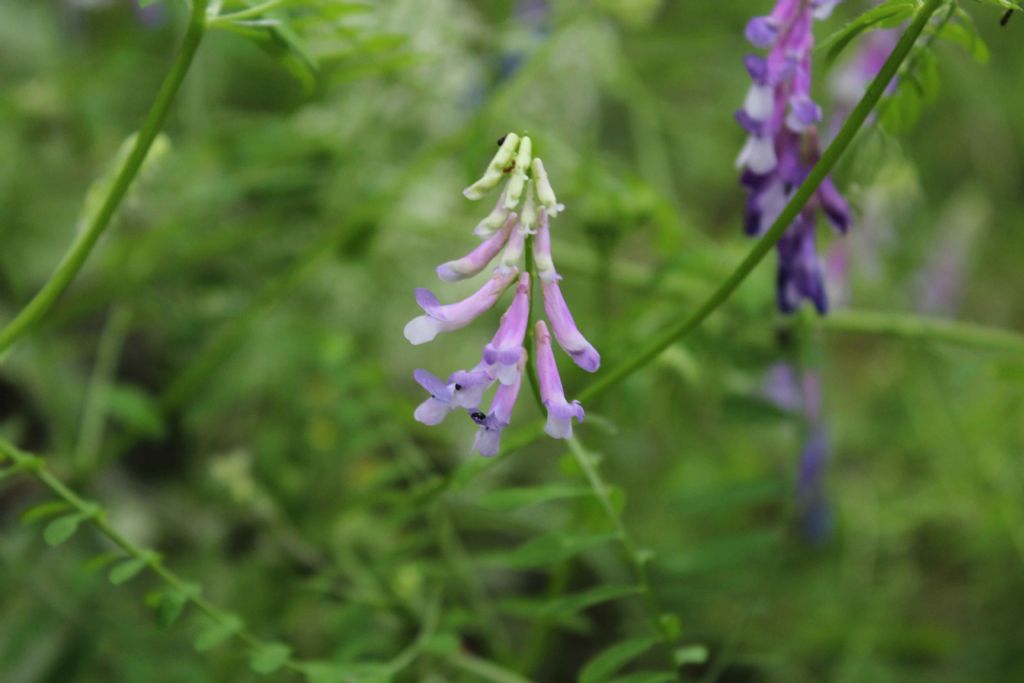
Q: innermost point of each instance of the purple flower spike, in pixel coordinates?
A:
(445, 318)
(782, 146)
(560, 411)
(475, 261)
(503, 354)
(488, 437)
(568, 335)
(527, 202)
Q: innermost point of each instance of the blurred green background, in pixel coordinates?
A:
(228, 375)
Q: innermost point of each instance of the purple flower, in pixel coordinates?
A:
(463, 390)
(563, 325)
(810, 486)
(568, 335)
(504, 352)
(488, 436)
(780, 118)
(801, 394)
(475, 261)
(445, 318)
(800, 274)
(560, 411)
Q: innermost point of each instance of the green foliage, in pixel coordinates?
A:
(609, 662)
(889, 14)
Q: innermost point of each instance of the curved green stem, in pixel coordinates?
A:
(923, 328)
(796, 204)
(90, 233)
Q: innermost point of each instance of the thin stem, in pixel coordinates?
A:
(531, 362)
(97, 223)
(634, 556)
(90, 432)
(924, 329)
(796, 204)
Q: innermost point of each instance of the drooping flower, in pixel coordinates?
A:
(560, 411)
(475, 261)
(521, 216)
(781, 119)
(503, 353)
(800, 393)
(447, 317)
(488, 437)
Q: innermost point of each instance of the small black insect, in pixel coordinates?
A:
(501, 140)
(478, 417)
(1006, 17)
(458, 387)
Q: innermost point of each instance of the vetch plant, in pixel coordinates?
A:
(522, 238)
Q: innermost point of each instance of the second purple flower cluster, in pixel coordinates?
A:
(506, 232)
(783, 146)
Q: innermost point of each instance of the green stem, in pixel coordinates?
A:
(94, 412)
(633, 554)
(796, 204)
(86, 238)
(923, 328)
(531, 362)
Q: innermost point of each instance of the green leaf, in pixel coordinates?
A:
(98, 562)
(147, 3)
(270, 658)
(965, 35)
(504, 500)
(533, 610)
(595, 596)
(44, 510)
(170, 604)
(215, 632)
(284, 45)
(548, 549)
(126, 570)
(647, 677)
(135, 409)
(62, 528)
(887, 15)
(608, 662)
(691, 654)
(443, 643)
(1004, 4)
